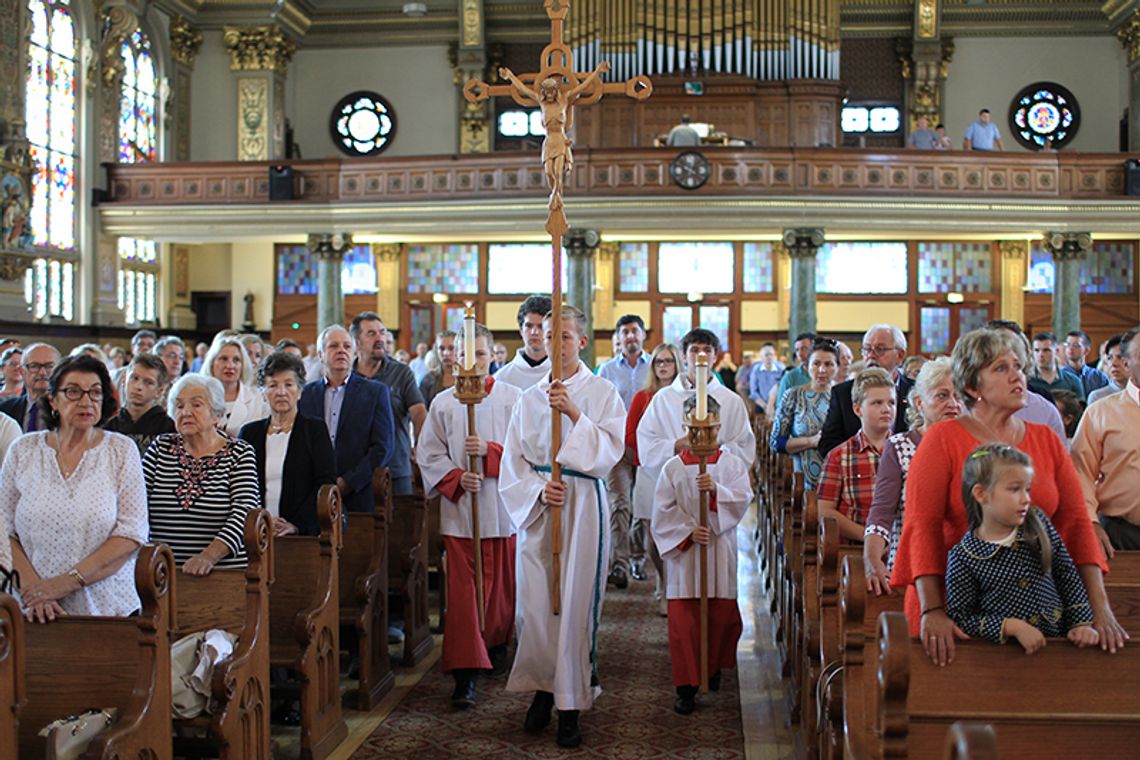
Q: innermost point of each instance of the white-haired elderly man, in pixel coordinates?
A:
(883, 346)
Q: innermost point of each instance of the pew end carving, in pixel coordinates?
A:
(11, 673)
(408, 572)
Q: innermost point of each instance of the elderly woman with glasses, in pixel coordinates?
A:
(73, 502)
(803, 409)
(200, 482)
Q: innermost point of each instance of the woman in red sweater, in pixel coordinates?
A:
(989, 378)
(666, 363)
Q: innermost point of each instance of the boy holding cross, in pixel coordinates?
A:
(556, 657)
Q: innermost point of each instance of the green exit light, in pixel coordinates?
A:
(296, 325)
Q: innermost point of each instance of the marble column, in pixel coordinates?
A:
(388, 283)
(1014, 271)
(329, 250)
(581, 245)
(184, 43)
(802, 243)
(260, 56)
(1126, 19)
(1067, 249)
(605, 277)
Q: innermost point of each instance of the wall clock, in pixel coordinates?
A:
(690, 170)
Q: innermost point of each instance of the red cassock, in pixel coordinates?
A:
(725, 628)
(463, 644)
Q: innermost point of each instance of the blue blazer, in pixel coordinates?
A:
(365, 435)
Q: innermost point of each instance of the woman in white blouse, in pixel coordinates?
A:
(228, 361)
(74, 502)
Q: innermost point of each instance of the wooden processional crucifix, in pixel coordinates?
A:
(556, 89)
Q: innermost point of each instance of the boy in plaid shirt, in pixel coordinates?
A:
(847, 482)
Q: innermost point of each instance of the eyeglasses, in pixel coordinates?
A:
(74, 393)
(664, 362)
(35, 367)
(878, 350)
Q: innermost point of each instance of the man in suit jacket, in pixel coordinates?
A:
(883, 346)
(39, 360)
(358, 414)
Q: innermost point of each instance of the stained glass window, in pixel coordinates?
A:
(50, 113)
(696, 267)
(1044, 111)
(677, 320)
(363, 124)
(521, 268)
(358, 272)
(1108, 268)
(934, 323)
(955, 267)
(49, 288)
(443, 269)
(138, 279)
(715, 318)
(296, 271)
(758, 268)
(633, 268)
(861, 268)
(138, 101)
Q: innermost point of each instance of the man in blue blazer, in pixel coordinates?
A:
(358, 414)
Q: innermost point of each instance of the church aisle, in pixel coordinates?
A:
(633, 719)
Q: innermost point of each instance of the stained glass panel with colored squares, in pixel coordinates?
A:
(696, 267)
(50, 114)
(676, 321)
(521, 268)
(934, 324)
(633, 268)
(452, 269)
(861, 268)
(358, 271)
(955, 267)
(453, 318)
(421, 328)
(1108, 268)
(138, 251)
(758, 268)
(972, 318)
(138, 99)
(296, 271)
(715, 318)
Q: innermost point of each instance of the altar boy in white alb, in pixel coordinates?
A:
(557, 655)
(660, 435)
(678, 533)
(443, 453)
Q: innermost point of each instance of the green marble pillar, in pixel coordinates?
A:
(802, 243)
(329, 251)
(1067, 249)
(581, 246)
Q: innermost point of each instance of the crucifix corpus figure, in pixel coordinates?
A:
(556, 103)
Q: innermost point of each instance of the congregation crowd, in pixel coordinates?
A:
(989, 486)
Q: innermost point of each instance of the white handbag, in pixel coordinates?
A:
(67, 738)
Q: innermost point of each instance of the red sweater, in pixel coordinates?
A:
(935, 517)
(636, 411)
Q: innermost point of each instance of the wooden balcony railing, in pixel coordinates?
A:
(642, 172)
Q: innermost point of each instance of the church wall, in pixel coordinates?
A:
(210, 267)
(415, 80)
(213, 95)
(252, 272)
(987, 72)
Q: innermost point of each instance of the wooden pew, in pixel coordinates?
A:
(807, 624)
(971, 741)
(236, 601)
(304, 625)
(1092, 709)
(408, 572)
(790, 605)
(11, 672)
(79, 662)
(364, 592)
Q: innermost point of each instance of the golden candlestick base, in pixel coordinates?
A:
(469, 384)
(703, 434)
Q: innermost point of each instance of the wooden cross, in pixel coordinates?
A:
(556, 89)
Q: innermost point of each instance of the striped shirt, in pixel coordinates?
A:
(193, 501)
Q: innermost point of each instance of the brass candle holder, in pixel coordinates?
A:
(469, 391)
(703, 433)
(703, 443)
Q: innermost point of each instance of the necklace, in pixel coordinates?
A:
(65, 469)
(282, 427)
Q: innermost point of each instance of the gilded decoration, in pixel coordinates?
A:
(1129, 36)
(1064, 246)
(387, 252)
(253, 119)
(16, 169)
(926, 19)
(185, 41)
(181, 271)
(258, 48)
(181, 115)
(472, 21)
(11, 72)
(1013, 249)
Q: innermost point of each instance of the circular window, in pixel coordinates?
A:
(363, 124)
(1044, 111)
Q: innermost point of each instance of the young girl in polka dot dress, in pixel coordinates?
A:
(1011, 576)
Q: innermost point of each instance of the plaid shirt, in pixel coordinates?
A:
(848, 477)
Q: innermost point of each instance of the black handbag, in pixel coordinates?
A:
(9, 580)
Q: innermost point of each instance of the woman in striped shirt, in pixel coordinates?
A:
(200, 482)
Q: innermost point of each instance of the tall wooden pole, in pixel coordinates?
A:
(556, 426)
(704, 584)
(473, 466)
(470, 391)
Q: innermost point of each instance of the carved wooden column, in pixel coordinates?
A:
(803, 244)
(329, 250)
(925, 61)
(389, 286)
(580, 245)
(184, 43)
(1067, 249)
(260, 55)
(470, 62)
(1014, 270)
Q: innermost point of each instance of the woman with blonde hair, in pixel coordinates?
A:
(228, 361)
(665, 363)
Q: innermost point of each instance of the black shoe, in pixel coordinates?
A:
(619, 578)
(538, 716)
(499, 663)
(686, 700)
(637, 570)
(714, 681)
(568, 733)
(464, 694)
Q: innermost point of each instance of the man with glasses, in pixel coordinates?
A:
(1076, 350)
(39, 360)
(1117, 371)
(884, 346)
(531, 364)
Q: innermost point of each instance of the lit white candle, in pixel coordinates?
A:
(702, 380)
(469, 339)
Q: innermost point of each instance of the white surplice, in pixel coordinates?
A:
(557, 653)
(519, 373)
(439, 450)
(661, 426)
(676, 513)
